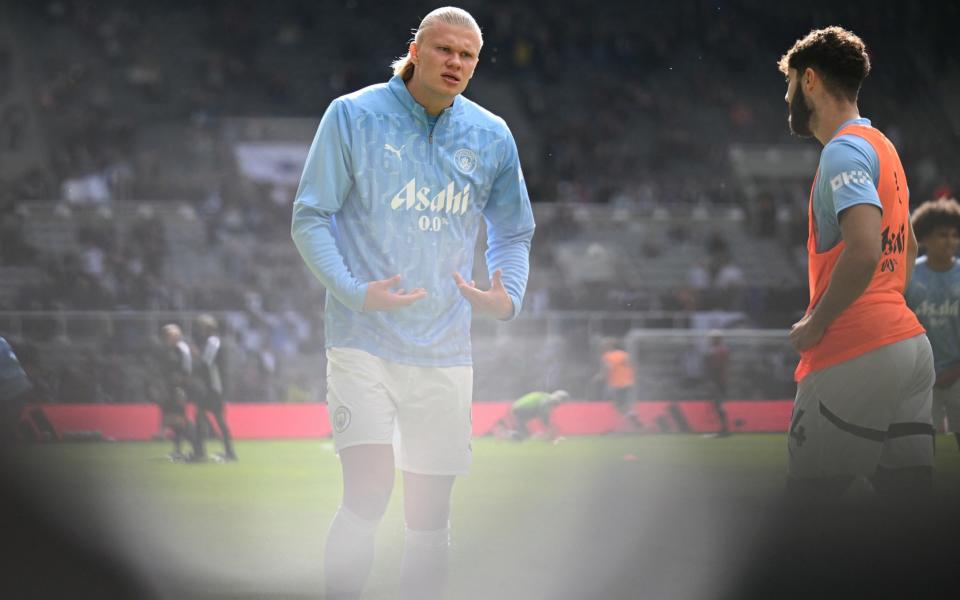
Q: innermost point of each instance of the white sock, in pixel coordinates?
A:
(423, 572)
(348, 554)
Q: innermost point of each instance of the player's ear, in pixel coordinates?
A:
(412, 51)
(809, 78)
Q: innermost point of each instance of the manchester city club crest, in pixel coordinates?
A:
(466, 160)
(341, 419)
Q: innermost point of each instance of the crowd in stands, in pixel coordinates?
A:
(630, 104)
(630, 108)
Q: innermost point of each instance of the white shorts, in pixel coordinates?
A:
(423, 411)
(946, 403)
(872, 410)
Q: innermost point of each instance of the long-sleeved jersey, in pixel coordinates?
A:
(386, 191)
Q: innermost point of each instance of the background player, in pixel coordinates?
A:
(934, 295)
(209, 367)
(619, 379)
(535, 405)
(397, 181)
(176, 365)
(717, 365)
(866, 369)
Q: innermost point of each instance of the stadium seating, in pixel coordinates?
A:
(649, 139)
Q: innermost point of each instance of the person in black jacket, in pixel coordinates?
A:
(176, 366)
(209, 369)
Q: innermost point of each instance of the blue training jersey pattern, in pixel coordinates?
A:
(935, 297)
(384, 193)
(848, 174)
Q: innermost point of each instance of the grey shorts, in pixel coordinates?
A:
(872, 410)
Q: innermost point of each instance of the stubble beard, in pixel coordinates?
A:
(800, 114)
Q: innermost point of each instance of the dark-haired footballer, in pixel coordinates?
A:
(866, 371)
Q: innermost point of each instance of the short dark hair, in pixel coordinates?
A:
(836, 54)
(933, 214)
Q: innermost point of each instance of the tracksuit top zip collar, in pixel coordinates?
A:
(399, 89)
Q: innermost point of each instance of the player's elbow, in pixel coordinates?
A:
(298, 237)
(296, 222)
(296, 232)
(301, 224)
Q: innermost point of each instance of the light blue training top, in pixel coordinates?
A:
(935, 297)
(848, 175)
(384, 193)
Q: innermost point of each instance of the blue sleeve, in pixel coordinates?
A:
(326, 181)
(510, 226)
(852, 168)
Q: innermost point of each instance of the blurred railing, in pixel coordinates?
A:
(76, 326)
(546, 350)
(79, 326)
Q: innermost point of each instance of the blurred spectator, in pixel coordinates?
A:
(14, 249)
(716, 365)
(210, 370)
(262, 373)
(15, 387)
(176, 365)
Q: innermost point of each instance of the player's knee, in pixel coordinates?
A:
(367, 496)
(426, 502)
(369, 502)
(427, 512)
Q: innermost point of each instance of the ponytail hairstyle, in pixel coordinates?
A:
(450, 15)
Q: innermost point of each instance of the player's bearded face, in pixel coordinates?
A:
(800, 113)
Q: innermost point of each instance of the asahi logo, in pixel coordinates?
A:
(944, 309)
(447, 200)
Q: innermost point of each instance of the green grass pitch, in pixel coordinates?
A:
(588, 517)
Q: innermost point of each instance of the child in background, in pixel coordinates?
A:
(933, 294)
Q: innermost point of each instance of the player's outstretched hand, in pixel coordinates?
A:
(382, 296)
(494, 302)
